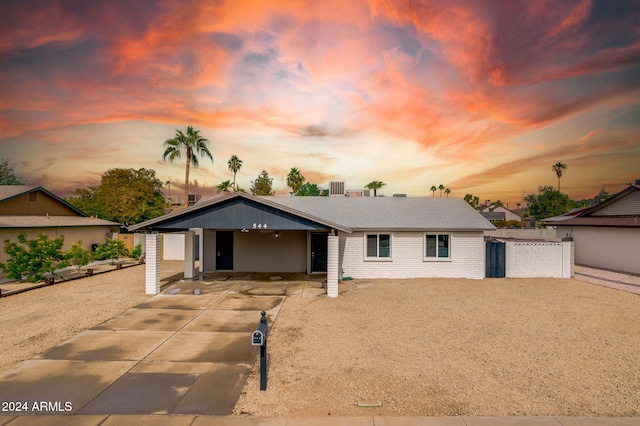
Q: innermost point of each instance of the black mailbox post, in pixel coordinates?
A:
(259, 338)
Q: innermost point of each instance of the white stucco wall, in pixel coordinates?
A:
(617, 249)
(173, 246)
(407, 259)
(539, 259)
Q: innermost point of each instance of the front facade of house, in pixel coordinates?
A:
(356, 237)
(607, 235)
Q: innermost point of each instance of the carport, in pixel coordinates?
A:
(244, 233)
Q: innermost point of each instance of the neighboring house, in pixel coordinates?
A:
(606, 235)
(358, 237)
(32, 210)
(492, 212)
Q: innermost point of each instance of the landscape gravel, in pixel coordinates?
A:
(446, 347)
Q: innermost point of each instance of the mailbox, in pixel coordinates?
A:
(259, 336)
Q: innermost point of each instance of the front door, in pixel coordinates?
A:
(319, 252)
(224, 250)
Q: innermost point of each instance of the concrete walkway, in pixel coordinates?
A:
(178, 353)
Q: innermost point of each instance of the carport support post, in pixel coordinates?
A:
(152, 263)
(332, 265)
(189, 254)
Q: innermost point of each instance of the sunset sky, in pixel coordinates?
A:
(480, 96)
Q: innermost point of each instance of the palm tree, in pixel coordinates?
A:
(193, 144)
(441, 188)
(559, 168)
(375, 185)
(168, 183)
(447, 191)
(433, 189)
(295, 180)
(225, 186)
(234, 164)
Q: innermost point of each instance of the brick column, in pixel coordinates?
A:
(332, 265)
(152, 263)
(189, 254)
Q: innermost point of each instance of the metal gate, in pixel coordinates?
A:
(495, 259)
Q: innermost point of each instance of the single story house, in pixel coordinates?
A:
(606, 235)
(33, 210)
(358, 237)
(492, 212)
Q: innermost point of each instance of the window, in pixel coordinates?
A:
(378, 245)
(438, 246)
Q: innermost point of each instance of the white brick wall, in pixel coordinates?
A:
(539, 259)
(152, 264)
(407, 257)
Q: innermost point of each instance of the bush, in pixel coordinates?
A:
(137, 252)
(79, 256)
(112, 250)
(33, 259)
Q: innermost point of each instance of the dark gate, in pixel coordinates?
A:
(319, 252)
(495, 259)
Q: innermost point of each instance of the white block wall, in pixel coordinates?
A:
(539, 259)
(332, 265)
(173, 246)
(152, 264)
(407, 254)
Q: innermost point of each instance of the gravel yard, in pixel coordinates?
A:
(419, 347)
(454, 347)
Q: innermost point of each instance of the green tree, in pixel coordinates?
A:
(548, 203)
(441, 188)
(126, 196)
(447, 191)
(601, 196)
(79, 256)
(193, 145)
(235, 164)
(498, 203)
(262, 185)
(113, 250)
(295, 180)
(375, 185)
(433, 189)
(225, 186)
(309, 190)
(7, 174)
(472, 200)
(559, 168)
(33, 259)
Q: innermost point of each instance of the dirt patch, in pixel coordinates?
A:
(441, 347)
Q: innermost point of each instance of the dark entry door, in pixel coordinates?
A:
(224, 250)
(319, 252)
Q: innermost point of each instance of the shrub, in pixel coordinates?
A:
(112, 250)
(136, 252)
(79, 256)
(32, 259)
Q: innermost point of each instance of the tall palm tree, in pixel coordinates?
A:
(193, 144)
(441, 188)
(447, 191)
(225, 186)
(234, 164)
(375, 185)
(559, 168)
(295, 180)
(433, 189)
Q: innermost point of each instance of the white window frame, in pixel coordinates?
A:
(377, 258)
(436, 258)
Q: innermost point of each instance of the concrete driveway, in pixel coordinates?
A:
(178, 353)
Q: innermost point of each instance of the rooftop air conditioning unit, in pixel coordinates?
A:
(336, 188)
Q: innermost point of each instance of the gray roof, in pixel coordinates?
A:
(51, 221)
(359, 213)
(401, 213)
(10, 191)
